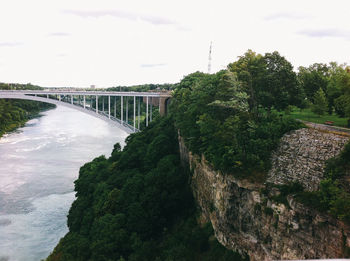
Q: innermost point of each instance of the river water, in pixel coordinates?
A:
(38, 165)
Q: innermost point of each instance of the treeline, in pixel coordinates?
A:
(19, 86)
(137, 205)
(270, 82)
(14, 113)
(143, 87)
(327, 88)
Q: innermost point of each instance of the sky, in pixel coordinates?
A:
(78, 43)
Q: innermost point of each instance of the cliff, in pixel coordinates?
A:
(248, 218)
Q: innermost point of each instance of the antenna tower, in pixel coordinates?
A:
(209, 62)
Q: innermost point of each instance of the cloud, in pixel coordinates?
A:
(155, 20)
(322, 33)
(59, 34)
(285, 16)
(151, 65)
(10, 44)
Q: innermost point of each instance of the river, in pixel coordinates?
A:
(38, 166)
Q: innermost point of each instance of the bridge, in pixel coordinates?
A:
(90, 102)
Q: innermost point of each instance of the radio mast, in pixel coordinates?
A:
(209, 62)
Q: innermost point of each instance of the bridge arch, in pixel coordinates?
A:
(114, 121)
(54, 97)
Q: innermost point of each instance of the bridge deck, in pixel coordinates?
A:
(33, 95)
(87, 93)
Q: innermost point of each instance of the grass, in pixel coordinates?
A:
(308, 115)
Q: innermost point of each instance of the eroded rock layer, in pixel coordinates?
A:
(246, 219)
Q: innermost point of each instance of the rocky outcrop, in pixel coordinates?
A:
(301, 157)
(245, 218)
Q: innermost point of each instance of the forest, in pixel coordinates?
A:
(137, 205)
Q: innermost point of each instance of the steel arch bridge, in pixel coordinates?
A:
(83, 101)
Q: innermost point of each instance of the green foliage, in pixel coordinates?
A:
(143, 87)
(269, 80)
(342, 105)
(313, 78)
(320, 106)
(14, 113)
(308, 115)
(214, 118)
(19, 86)
(137, 205)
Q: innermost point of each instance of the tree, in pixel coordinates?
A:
(250, 71)
(269, 80)
(281, 87)
(313, 78)
(231, 94)
(339, 84)
(320, 105)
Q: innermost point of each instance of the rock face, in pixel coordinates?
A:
(301, 157)
(246, 219)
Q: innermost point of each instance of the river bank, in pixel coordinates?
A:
(38, 165)
(14, 114)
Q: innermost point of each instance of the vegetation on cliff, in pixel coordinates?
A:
(333, 196)
(218, 118)
(137, 205)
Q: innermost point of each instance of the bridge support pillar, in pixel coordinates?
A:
(126, 110)
(134, 113)
(115, 106)
(147, 111)
(109, 107)
(138, 122)
(84, 101)
(71, 99)
(96, 104)
(163, 105)
(59, 97)
(121, 109)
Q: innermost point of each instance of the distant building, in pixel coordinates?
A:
(93, 86)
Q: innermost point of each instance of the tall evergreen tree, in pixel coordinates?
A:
(320, 105)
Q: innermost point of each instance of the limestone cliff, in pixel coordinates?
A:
(246, 219)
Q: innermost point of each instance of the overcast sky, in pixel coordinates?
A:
(110, 43)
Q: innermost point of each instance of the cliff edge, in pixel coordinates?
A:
(250, 218)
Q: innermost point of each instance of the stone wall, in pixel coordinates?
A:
(246, 219)
(301, 157)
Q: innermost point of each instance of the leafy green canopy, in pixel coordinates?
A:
(215, 118)
(333, 80)
(269, 80)
(137, 205)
